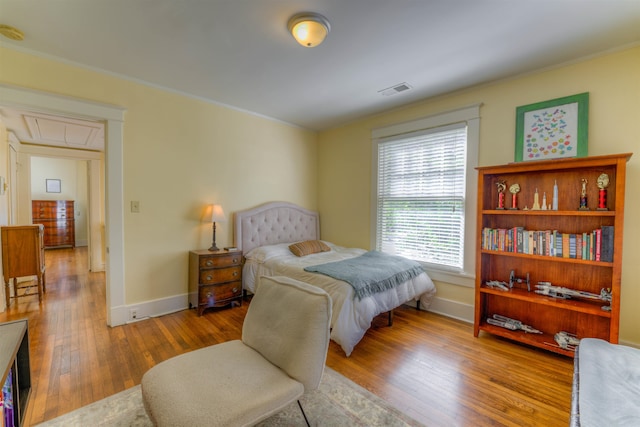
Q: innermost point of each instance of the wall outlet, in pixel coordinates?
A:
(133, 313)
(135, 206)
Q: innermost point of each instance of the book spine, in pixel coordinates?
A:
(606, 253)
(598, 244)
(547, 242)
(558, 240)
(572, 246)
(565, 245)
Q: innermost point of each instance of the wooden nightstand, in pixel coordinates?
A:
(215, 279)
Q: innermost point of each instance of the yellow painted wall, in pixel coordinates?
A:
(613, 82)
(180, 153)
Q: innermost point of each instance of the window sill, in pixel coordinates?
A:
(452, 277)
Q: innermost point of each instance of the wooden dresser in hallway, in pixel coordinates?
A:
(58, 218)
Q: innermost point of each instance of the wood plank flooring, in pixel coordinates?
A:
(429, 366)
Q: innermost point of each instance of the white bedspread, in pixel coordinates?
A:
(351, 317)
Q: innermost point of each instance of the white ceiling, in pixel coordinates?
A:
(239, 53)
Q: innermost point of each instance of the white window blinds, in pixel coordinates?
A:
(421, 195)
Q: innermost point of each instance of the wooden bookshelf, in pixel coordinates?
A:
(582, 317)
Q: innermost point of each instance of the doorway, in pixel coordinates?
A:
(113, 117)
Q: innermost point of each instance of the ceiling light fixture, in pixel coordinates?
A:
(309, 28)
(11, 32)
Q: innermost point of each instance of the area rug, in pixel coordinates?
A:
(338, 402)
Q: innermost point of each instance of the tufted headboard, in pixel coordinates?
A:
(273, 223)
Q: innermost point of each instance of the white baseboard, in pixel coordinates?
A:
(144, 310)
(453, 309)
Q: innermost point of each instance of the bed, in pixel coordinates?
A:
(264, 234)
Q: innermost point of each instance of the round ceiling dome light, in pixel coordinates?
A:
(11, 32)
(309, 28)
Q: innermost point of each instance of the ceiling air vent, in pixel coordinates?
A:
(400, 87)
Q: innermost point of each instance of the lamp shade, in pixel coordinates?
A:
(309, 28)
(217, 214)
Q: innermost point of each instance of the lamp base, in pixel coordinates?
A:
(213, 248)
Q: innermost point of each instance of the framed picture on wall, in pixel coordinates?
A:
(553, 129)
(53, 186)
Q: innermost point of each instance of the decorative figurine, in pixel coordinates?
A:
(554, 205)
(514, 189)
(583, 196)
(603, 183)
(536, 202)
(501, 187)
(544, 201)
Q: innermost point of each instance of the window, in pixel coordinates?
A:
(424, 190)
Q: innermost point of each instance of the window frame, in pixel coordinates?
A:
(471, 116)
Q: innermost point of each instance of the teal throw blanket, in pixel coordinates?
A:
(370, 272)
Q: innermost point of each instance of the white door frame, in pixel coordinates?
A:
(113, 116)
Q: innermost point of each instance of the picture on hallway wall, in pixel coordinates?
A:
(54, 186)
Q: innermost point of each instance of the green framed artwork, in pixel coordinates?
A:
(553, 129)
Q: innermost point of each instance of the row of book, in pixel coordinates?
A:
(596, 245)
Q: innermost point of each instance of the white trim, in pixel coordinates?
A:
(451, 277)
(449, 308)
(18, 97)
(453, 309)
(447, 117)
(152, 308)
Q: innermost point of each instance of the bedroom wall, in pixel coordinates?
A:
(180, 153)
(614, 109)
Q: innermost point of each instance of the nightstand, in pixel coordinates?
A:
(215, 279)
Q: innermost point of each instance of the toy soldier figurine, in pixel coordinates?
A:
(501, 187)
(583, 196)
(603, 183)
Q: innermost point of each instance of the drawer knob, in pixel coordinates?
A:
(209, 294)
(235, 273)
(235, 260)
(209, 277)
(235, 290)
(209, 262)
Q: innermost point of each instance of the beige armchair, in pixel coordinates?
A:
(282, 354)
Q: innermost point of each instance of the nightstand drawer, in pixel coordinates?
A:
(212, 294)
(220, 261)
(220, 275)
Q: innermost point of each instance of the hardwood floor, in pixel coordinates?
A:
(429, 366)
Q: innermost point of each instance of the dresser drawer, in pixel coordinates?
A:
(220, 275)
(220, 261)
(210, 295)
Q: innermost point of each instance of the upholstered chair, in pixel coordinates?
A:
(282, 354)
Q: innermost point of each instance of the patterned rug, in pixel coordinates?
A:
(338, 402)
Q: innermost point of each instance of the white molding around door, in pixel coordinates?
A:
(113, 116)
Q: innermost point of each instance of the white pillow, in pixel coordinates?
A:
(262, 254)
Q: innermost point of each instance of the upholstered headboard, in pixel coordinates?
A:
(273, 223)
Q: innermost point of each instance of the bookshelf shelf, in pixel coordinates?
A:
(548, 213)
(548, 258)
(499, 257)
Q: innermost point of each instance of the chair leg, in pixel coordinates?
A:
(303, 414)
